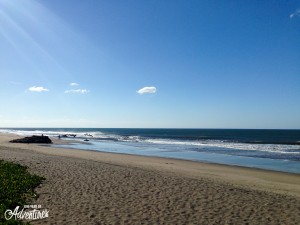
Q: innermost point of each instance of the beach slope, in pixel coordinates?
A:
(86, 187)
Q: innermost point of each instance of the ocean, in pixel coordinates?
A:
(266, 149)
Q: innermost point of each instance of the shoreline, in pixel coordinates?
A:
(189, 168)
(89, 187)
(284, 158)
(179, 159)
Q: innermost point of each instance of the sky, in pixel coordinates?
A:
(150, 64)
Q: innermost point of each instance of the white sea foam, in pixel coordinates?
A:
(200, 144)
(97, 136)
(276, 148)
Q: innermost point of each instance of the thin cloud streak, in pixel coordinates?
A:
(77, 91)
(296, 13)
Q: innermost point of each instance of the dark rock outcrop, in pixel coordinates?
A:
(33, 139)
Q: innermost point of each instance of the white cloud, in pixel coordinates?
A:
(147, 90)
(77, 91)
(296, 13)
(37, 89)
(74, 84)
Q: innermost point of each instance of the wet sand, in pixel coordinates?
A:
(87, 187)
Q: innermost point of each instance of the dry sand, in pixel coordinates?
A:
(86, 187)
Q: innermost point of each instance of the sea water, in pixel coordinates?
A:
(266, 149)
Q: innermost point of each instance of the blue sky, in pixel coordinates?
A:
(173, 64)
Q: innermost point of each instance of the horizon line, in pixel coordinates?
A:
(169, 128)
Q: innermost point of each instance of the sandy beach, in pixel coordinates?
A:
(87, 187)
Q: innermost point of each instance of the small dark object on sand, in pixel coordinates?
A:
(33, 139)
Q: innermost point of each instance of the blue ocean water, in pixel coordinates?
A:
(267, 149)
